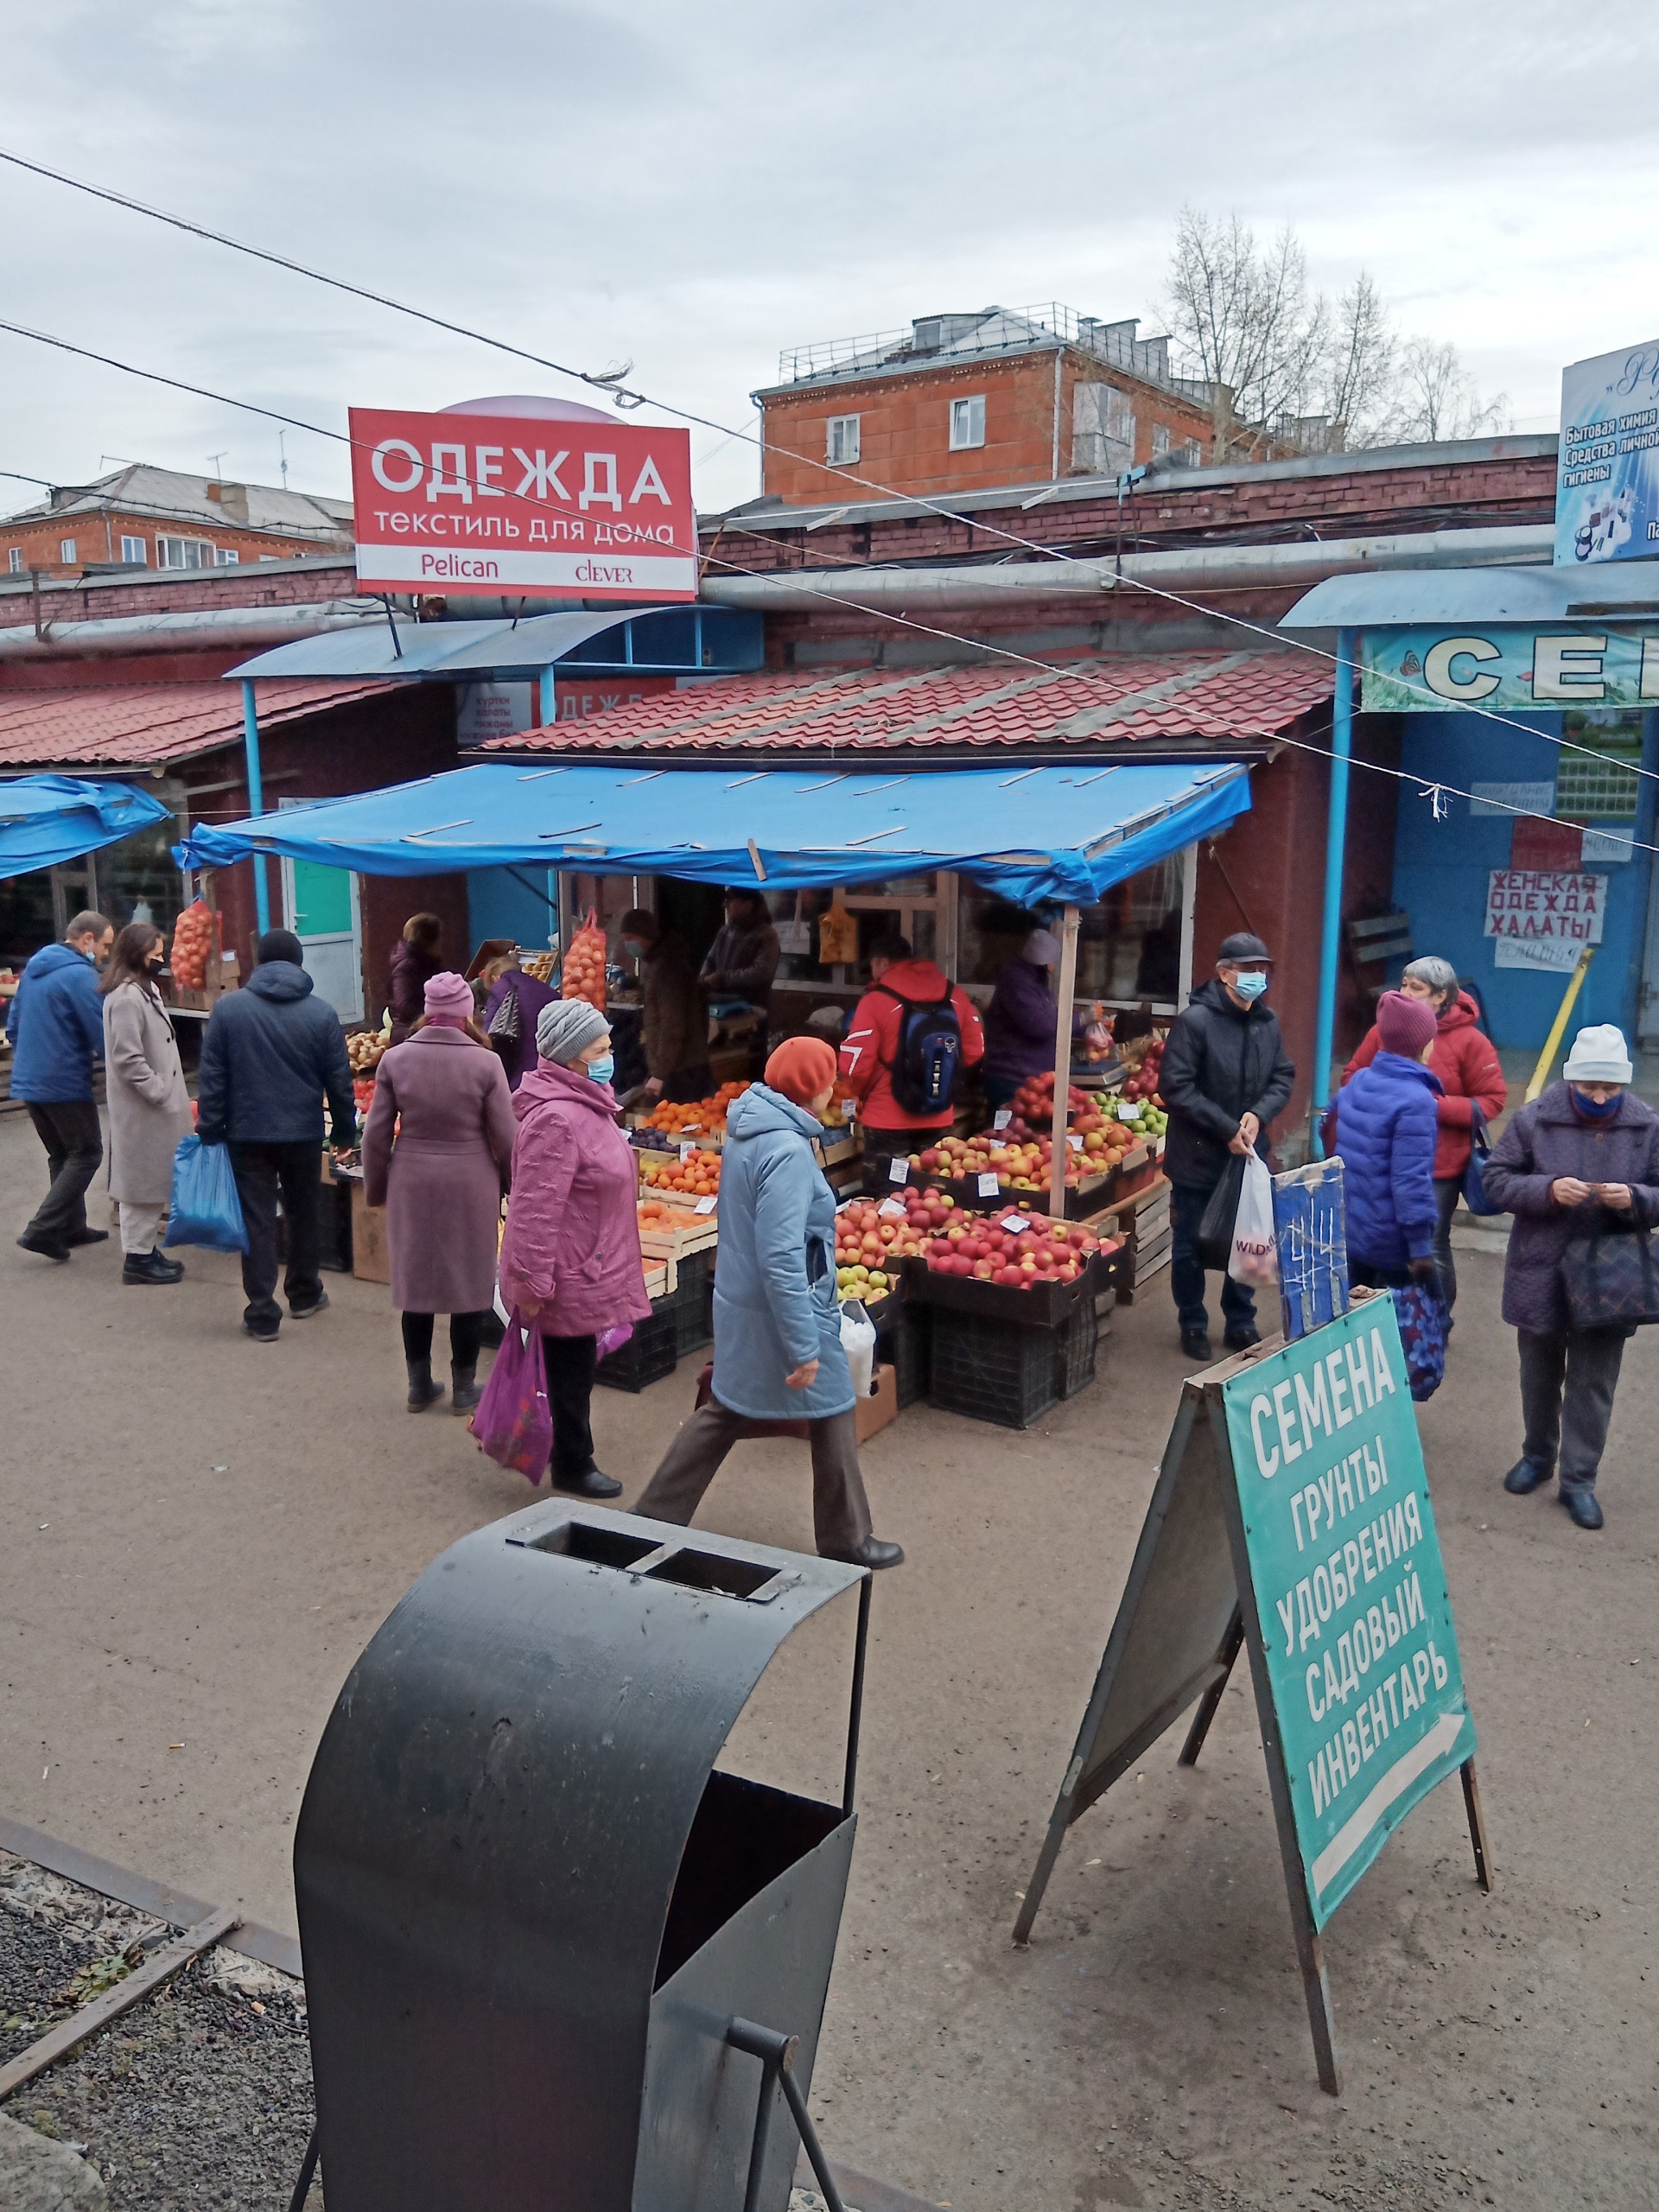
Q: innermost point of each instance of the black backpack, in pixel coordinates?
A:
(923, 1071)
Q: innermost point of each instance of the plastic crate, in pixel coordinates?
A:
(692, 1304)
(984, 1369)
(334, 1226)
(906, 1346)
(649, 1353)
(1077, 1341)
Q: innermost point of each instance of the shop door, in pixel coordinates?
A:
(323, 911)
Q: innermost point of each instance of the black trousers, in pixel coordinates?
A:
(1448, 1189)
(261, 1171)
(74, 1146)
(570, 1362)
(466, 1336)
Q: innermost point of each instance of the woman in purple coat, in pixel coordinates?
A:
(570, 1259)
(512, 1006)
(1582, 1157)
(1019, 1021)
(441, 1177)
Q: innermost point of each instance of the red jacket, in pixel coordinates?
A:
(1467, 1066)
(872, 1040)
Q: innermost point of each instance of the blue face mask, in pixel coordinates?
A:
(1596, 1110)
(602, 1071)
(1249, 987)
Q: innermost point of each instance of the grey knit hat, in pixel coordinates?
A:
(563, 1028)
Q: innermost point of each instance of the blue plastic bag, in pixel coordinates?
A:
(204, 1208)
(1474, 1175)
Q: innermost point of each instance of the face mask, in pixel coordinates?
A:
(1596, 1111)
(1251, 987)
(602, 1071)
(632, 947)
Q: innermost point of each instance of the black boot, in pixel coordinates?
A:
(1242, 1337)
(1525, 1477)
(464, 1393)
(151, 1266)
(589, 1483)
(1195, 1345)
(423, 1390)
(1580, 1499)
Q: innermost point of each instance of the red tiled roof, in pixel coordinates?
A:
(148, 725)
(1218, 696)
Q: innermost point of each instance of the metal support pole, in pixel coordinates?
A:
(256, 800)
(855, 1711)
(1068, 986)
(550, 699)
(778, 2053)
(1342, 747)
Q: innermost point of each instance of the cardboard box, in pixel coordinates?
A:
(873, 1414)
(370, 1254)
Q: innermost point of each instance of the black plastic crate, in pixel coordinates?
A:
(982, 1368)
(1077, 1341)
(692, 1303)
(904, 1343)
(334, 1228)
(649, 1353)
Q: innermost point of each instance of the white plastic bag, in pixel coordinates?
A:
(1255, 1253)
(858, 1342)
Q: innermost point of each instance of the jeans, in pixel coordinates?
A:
(261, 1170)
(1568, 1382)
(570, 1362)
(1448, 1189)
(1186, 1206)
(74, 1148)
(466, 1336)
(840, 1511)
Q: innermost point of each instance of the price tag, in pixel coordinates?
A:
(894, 1209)
(1015, 1223)
(897, 1168)
(706, 1205)
(849, 1107)
(1126, 1112)
(988, 1185)
(686, 1148)
(1003, 1116)
(1076, 1143)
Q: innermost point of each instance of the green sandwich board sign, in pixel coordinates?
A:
(1291, 1515)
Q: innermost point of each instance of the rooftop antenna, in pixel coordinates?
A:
(218, 460)
(282, 447)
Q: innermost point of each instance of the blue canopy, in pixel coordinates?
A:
(1059, 835)
(45, 819)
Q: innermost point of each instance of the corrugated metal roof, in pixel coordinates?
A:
(1413, 597)
(149, 725)
(169, 495)
(1214, 697)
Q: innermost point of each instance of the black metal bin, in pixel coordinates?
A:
(530, 1906)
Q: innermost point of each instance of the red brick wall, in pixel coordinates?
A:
(185, 591)
(98, 537)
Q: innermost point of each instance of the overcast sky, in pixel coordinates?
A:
(693, 188)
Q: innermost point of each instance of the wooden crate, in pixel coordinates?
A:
(662, 1279)
(690, 1232)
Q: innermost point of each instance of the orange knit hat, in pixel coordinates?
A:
(801, 1068)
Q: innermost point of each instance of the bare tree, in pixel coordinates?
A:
(1361, 368)
(1438, 397)
(1245, 318)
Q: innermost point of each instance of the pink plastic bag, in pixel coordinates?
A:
(513, 1422)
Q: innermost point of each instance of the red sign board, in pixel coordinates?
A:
(508, 504)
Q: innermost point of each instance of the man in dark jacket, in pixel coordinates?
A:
(56, 1028)
(1020, 1020)
(1225, 1077)
(269, 1054)
(741, 963)
(675, 1018)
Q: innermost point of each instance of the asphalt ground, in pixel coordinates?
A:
(199, 1533)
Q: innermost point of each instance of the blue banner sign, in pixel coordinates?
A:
(1607, 477)
(1509, 667)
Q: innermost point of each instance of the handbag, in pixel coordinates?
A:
(1610, 1278)
(503, 1022)
(1421, 1310)
(1215, 1240)
(1474, 1175)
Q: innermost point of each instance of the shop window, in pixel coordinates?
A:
(183, 553)
(133, 548)
(841, 440)
(913, 904)
(967, 422)
(1602, 784)
(66, 550)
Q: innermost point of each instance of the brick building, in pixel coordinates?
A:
(958, 402)
(144, 517)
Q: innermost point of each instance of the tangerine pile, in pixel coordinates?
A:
(697, 1176)
(707, 1114)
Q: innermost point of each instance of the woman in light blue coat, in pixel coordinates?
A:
(777, 1351)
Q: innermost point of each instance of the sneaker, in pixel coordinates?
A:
(47, 1246)
(87, 1236)
(1525, 1477)
(304, 1313)
(1580, 1499)
(1195, 1345)
(151, 1266)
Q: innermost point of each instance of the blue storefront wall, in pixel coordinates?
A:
(522, 904)
(1442, 867)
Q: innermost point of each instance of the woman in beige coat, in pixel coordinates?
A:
(149, 1108)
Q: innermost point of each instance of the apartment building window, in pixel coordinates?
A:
(841, 440)
(15, 561)
(1160, 439)
(967, 422)
(183, 553)
(1194, 453)
(66, 548)
(133, 548)
(225, 556)
(1102, 429)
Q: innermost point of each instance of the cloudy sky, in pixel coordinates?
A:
(693, 188)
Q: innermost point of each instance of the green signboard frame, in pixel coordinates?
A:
(1291, 1515)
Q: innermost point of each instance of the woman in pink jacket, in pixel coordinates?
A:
(570, 1259)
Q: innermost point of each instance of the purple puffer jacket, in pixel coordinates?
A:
(572, 1239)
(1019, 1024)
(1547, 1139)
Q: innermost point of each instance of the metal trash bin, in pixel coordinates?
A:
(532, 1909)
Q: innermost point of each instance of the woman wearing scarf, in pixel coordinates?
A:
(777, 1351)
(441, 1180)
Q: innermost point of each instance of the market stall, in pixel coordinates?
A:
(1056, 1173)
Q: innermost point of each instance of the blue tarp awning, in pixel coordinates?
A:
(1062, 834)
(46, 819)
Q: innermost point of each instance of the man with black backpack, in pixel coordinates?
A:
(911, 1035)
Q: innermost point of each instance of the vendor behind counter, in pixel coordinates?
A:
(742, 962)
(676, 1015)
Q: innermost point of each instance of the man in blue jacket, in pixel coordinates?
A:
(56, 1028)
(270, 1054)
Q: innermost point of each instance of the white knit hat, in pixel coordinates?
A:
(1041, 948)
(1599, 1055)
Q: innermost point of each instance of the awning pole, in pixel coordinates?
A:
(1063, 1062)
(1336, 840)
(256, 800)
(549, 700)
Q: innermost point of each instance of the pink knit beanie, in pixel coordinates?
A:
(449, 998)
(1405, 1025)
